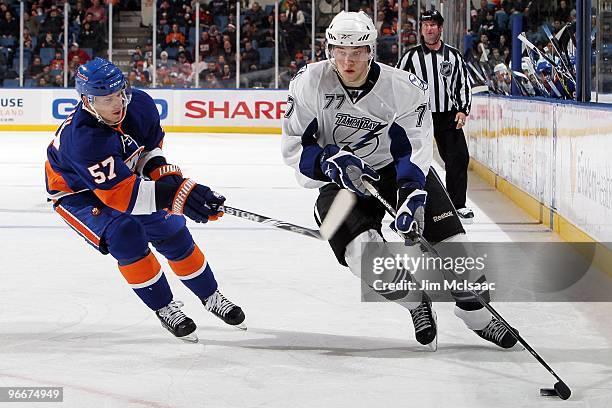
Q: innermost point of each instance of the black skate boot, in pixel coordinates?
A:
(496, 333)
(175, 321)
(225, 310)
(425, 323)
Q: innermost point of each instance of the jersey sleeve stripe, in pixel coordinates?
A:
(401, 150)
(122, 196)
(309, 165)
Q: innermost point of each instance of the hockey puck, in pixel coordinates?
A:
(548, 392)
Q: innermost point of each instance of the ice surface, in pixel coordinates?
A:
(68, 319)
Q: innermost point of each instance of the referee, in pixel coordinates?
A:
(443, 68)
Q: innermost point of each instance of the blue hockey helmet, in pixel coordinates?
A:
(99, 77)
(543, 67)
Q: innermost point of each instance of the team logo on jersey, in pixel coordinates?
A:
(418, 82)
(361, 134)
(446, 68)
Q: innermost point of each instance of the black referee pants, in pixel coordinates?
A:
(454, 152)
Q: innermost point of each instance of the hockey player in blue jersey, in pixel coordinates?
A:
(109, 180)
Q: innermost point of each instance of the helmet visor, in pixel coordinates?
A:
(340, 53)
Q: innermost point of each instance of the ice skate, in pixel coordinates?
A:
(466, 215)
(498, 334)
(175, 321)
(225, 310)
(425, 323)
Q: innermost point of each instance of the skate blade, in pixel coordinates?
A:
(466, 221)
(517, 347)
(240, 326)
(433, 346)
(190, 338)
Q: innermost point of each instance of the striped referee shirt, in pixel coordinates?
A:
(445, 72)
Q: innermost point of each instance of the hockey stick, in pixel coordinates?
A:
(342, 205)
(562, 390)
(262, 219)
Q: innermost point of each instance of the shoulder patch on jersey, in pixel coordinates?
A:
(290, 106)
(300, 72)
(418, 82)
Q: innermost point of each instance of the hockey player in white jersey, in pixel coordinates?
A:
(349, 118)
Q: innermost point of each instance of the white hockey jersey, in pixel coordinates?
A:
(386, 120)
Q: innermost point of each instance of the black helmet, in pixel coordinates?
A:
(432, 15)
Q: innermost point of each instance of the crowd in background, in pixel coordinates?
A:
(487, 45)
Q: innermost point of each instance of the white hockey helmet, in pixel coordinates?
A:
(351, 29)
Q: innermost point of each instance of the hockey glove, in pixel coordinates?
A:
(197, 202)
(346, 169)
(410, 217)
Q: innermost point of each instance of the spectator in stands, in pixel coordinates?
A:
(249, 57)
(391, 56)
(212, 82)
(142, 74)
(228, 75)
(32, 24)
(380, 19)
(296, 19)
(211, 68)
(53, 21)
(185, 77)
(57, 63)
(495, 58)
(98, 12)
(228, 52)
(76, 51)
(230, 31)
(41, 82)
(164, 62)
(563, 12)
(208, 44)
(181, 59)
(187, 21)
(490, 28)
(91, 38)
(9, 26)
(198, 67)
(256, 14)
(89, 18)
(58, 81)
(3, 65)
(474, 21)
(27, 45)
(48, 41)
(219, 8)
(26, 34)
(175, 37)
(35, 68)
(78, 14)
(286, 76)
(221, 61)
(137, 55)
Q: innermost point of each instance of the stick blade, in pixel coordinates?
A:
(339, 210)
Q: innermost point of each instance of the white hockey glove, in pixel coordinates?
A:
(410, 217)
(346, 169)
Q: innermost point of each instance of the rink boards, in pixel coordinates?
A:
(555, 154)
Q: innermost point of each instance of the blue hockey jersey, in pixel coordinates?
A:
(89, 156)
